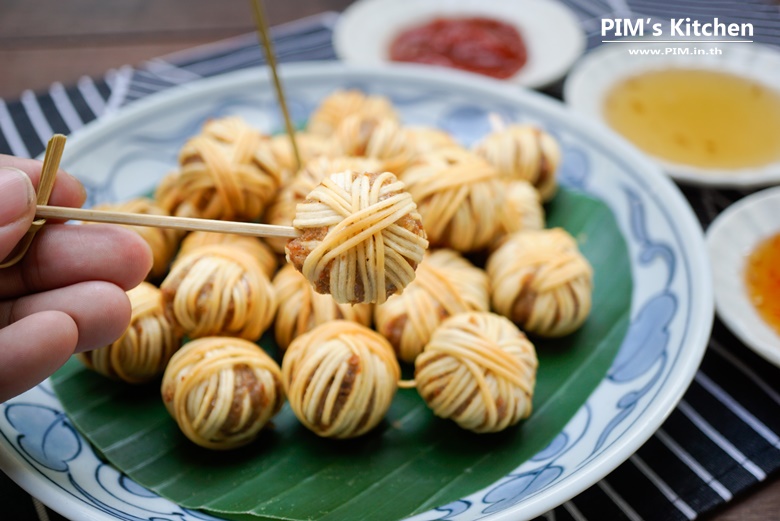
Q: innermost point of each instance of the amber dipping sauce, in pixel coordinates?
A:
(698, 117)
(480, 45)
(762, 278)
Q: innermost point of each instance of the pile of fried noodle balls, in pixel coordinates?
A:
(380, 275)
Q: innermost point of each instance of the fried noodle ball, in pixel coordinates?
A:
(446, 284)
(478, 370)
(456, 192)
(541, 281)
(362, 237)
(340, 379)
(378, 138)
(343, 103)
(143, 351)
(252, 245)
(227, 172)
(521, 208)
(219, 290)
(281, 212)
(524, 152)
(301, 308)
(222, 391)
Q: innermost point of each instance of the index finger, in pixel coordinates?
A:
(68, 191)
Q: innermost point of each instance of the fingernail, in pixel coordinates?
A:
(16, 195)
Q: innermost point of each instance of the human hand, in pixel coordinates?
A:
(68, 292)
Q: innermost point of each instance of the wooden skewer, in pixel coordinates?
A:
(270, 57)
(166, 221)
(51, 162)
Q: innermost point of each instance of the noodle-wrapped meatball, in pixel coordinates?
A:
(162, 241)
(428, 139)
(228, 172)
(143, 351)
(340, 379)
(282, 211)
(252, 245)
(310, 147)
(478, 370)
(541, 281)
(362, 237)
(456, 193)
(301, 308)
(524, 152)
(222, 391)
(521, 208)
(379, 138)
(219, 290)
(343, 103)
(446, 284)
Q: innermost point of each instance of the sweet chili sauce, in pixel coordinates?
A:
(762, 278)
(480, 45)
(698, 117)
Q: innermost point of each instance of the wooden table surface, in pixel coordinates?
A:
(43, 41)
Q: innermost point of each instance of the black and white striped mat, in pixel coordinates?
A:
(723, 438)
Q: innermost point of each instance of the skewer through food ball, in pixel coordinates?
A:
(301, 308)
(457, 193)
(446, 284)
(281, 212)
(219, 290)
(340, 379)
(143, 351)
(162, 241)
(478, 370)
(524, 152)
(362, 237)
(227, 172)
(541, 281)
(222, 391)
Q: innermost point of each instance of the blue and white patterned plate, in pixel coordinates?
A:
(672, 304)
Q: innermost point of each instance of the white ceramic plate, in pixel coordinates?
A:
(552, 34)
(671, 313)
(594, 75)
(731, 237)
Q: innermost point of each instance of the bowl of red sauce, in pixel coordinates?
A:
(532, 43)
(474, 43)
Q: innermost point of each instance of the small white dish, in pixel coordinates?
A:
(551, 32)
(731, 237)
(597, 72)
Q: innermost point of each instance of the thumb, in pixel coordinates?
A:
(17, 208)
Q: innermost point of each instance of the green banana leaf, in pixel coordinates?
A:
(412, 462)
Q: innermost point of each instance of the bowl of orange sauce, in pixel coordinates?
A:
(744, 248)
(532, 43)
(707, 112)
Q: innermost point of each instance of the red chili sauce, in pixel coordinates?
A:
(479, 45)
